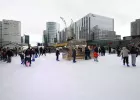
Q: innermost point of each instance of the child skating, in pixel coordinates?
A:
(95, 55)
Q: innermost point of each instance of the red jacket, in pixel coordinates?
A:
(95, 54)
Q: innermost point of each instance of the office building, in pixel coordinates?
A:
(45, 37)
(52, 31)
(118, 37)
(135, 27)
(26, 39)
(91, 27)
(63, 36)
(92, 24)
(10, 32)
(0, 33)
(22, 39)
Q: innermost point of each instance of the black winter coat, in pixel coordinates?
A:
(28, 53)
(87, 51)
(74, 53)
(9, 53)
(57, 52)
(96, 49)
(133, 51)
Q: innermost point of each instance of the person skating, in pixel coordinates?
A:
(0, 54)
(16, 51)
(57, 54)
(22, 58)
(99, 49)
(87, 53)
(49, 50)
(44, 51)
(9, 55)
(125, 53)
(102, 51)
(4, 55)
(109, 50)
(118, 51)
(33, 54)
(36, 52)
(74, 55)
(95, 55)
(134, 54)
(28, 56)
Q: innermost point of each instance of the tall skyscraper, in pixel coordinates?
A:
(135, 27)
(92, 27)
(0, 33)
(45, 37)
(11, 31)
(52, 30)
(26, 39)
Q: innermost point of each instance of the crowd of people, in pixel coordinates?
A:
(29, 55)
(121, 52)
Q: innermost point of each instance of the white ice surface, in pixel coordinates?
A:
(86, 80)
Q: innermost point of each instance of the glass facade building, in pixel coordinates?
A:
(94, 27)
(52, 30)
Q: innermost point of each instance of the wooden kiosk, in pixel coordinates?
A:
(80, 49)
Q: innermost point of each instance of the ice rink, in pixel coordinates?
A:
(48, 79)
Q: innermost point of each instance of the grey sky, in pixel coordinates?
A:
(34, 14)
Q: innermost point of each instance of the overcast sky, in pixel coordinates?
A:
(34, 14)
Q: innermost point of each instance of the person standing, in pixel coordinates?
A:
(22, 58)
(44, 51)
(134, 54)
(33, 54)
(124, 53)
(109, 50)
(74, 55)
(16, 51)
(99, 49)
(28, 56)
(41, 50)
(9, 55)
(4, 54)
(36, 52)
(102, 51)
(57, 54)
(87, 53)
(95, 55)
(118, 51)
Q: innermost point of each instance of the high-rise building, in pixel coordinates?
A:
(0, 33)
(52, 30)
(62, 36)
(135, 27)
(45, 37)
(26, 39)
(92, 27)
(118, 37)
(11, 32)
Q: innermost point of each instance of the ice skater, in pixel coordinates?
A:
(134, 54)
(57, 54)
(74, 55)
(28, 57)
(9, 55)
(22, 58)
(125, 53)
(95, 55)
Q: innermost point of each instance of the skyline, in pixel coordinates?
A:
(34, 14)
